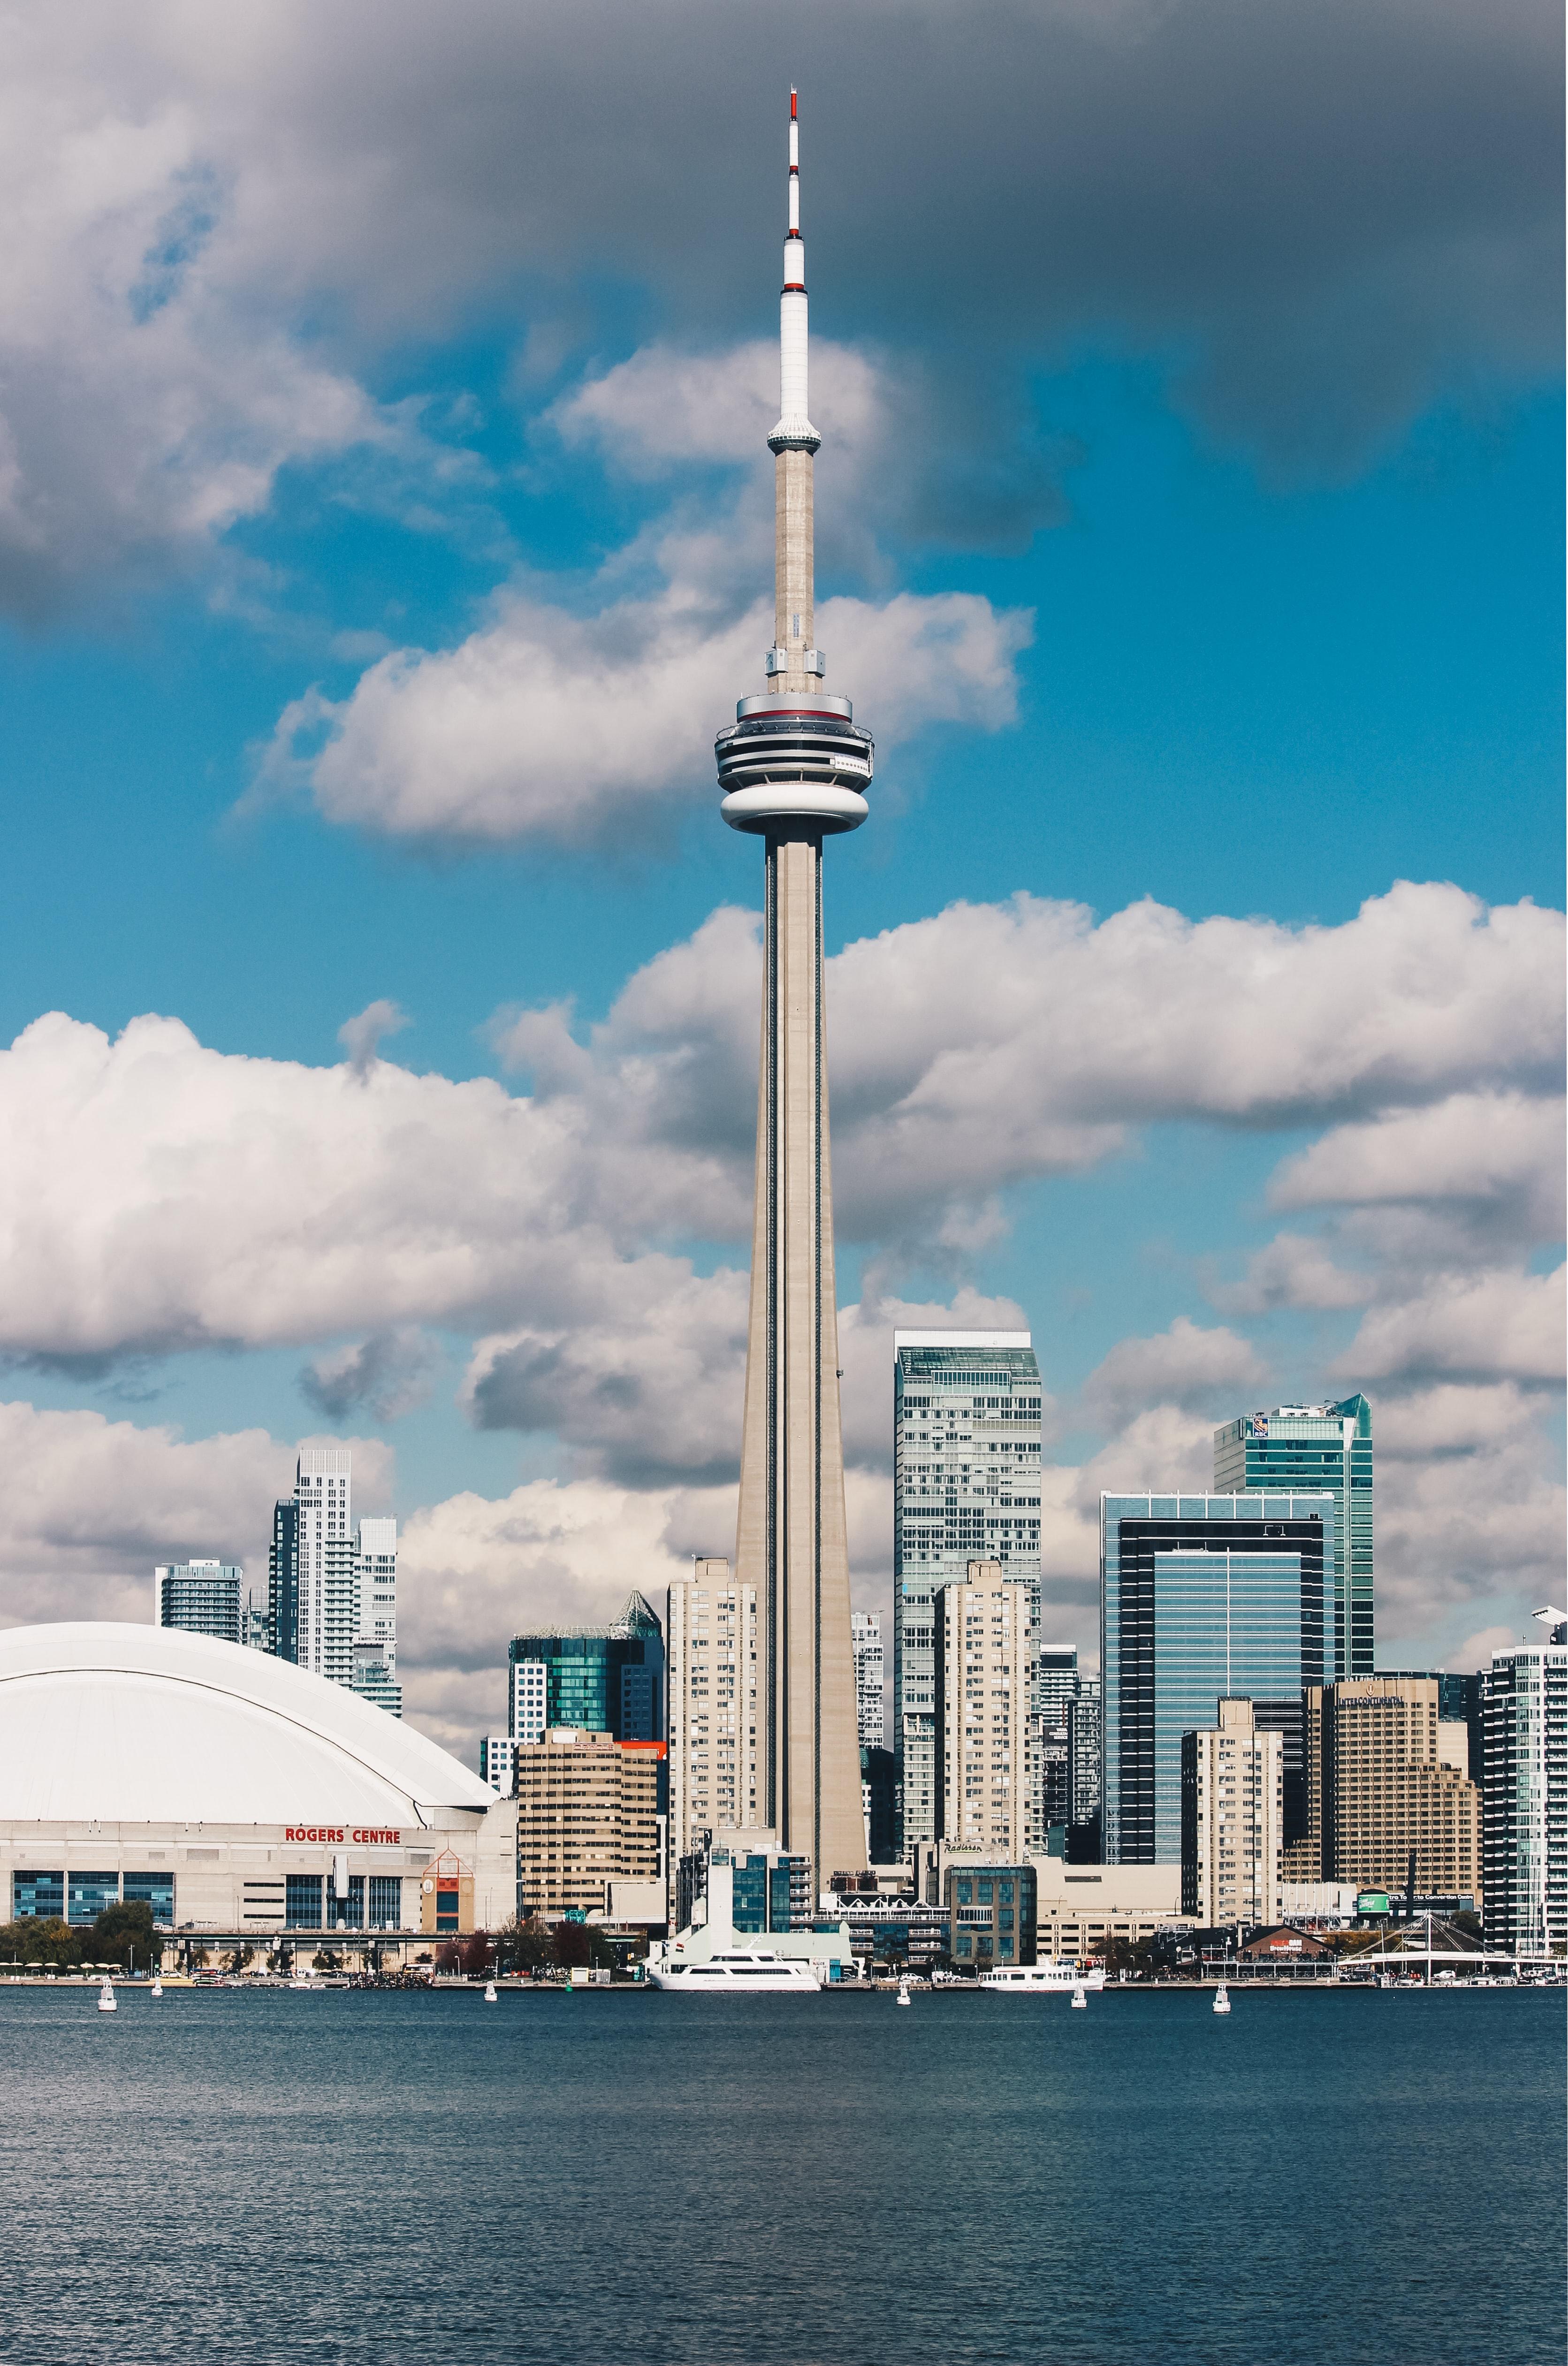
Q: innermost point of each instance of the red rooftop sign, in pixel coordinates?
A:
(364, 1835)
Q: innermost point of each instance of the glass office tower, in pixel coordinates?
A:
(1313, 1447)
(1203, 1597)
(966, 1408)
(603, 1679)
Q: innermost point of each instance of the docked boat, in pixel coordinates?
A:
(755, 1974)
(1049, 1979)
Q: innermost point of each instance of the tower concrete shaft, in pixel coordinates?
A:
(790, 1539)
(794, 768)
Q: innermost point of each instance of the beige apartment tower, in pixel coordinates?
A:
(717, 1745)
(1233, 1812)
(794, 768)
(1385, 1775)
(984, 1674)
(587, 1815)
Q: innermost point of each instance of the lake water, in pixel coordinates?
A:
(1373, 2177)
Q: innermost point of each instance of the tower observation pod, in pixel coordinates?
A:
(793, 768)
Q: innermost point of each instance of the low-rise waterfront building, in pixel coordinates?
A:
(990, 1910)
(1079, 1908)
(769, 1888)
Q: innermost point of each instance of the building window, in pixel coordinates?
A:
(38, 1897)
(88, 1894)
(386, 1902)
(302, 1909)
(153, 1889)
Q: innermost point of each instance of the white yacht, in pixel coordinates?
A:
(735, 1975)
(1049, 1979)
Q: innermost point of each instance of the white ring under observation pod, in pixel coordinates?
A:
(763, 810)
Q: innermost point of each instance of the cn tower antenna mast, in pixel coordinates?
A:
(794, 768)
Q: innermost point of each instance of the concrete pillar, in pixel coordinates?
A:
(791, 1541)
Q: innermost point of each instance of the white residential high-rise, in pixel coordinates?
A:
(967, 1426)
(376, 1641)
(865, 1639)
(1524, 1874)
(332, 1592)
(985, 1670)
(498, 1763)
(328, 1592)
(713, 1635)
(1232, 1818)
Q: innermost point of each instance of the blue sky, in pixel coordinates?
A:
(1196, 534)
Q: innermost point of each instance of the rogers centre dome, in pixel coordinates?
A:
(147, 1725)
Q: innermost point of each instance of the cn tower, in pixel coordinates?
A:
(793, 768)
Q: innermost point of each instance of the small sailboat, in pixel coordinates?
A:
(1222, 1999)
(108, 2000)
(904, 1992)
(490, 1997)
(156, 1988)
(1080, 2000)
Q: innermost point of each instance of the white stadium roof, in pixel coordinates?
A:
(117, 1724)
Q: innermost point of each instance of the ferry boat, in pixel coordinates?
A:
(736, 1975)
(1049, 1979)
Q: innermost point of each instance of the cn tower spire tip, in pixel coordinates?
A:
(795, 431)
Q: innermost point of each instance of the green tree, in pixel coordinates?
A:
(523, 1944)
(1468, 1922)
(576, 1943)
(38, 1939)
(121, 1928)
(1120, 1955)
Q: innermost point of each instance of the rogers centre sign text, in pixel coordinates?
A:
(371, 1834)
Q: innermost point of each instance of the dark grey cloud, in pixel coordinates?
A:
(1322, 215)
(385, 1375)
(236, 234)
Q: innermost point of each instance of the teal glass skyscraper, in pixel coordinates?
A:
(603, 1679)
(1327, 1448)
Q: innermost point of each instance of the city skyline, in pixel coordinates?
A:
(385, 993)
